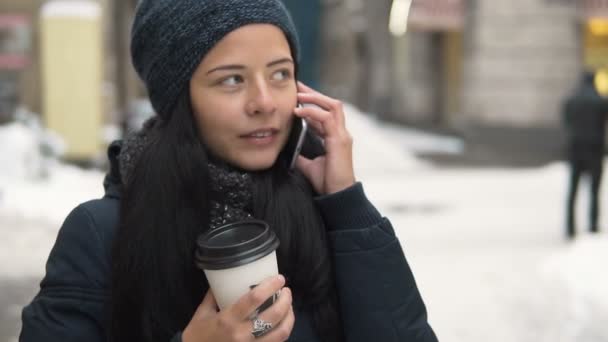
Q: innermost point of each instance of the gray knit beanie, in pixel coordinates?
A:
(170, 38)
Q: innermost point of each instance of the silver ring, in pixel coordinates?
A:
(260, 327)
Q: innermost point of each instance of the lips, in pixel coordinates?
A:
(262, 137)
(261, 133)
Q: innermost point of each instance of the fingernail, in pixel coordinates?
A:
(281, 278)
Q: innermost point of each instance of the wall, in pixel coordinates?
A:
(521, 58)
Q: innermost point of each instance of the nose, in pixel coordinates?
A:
(260, 99)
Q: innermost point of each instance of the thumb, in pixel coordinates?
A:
(208, 306)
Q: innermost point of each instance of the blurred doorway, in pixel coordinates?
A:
(435, 50)
(447, 75)
(595, 43)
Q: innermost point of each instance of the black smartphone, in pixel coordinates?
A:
(303, 141)
(298, 130)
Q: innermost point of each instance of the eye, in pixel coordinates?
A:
(281, 75)
(232, 80)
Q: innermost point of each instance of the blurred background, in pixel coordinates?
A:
(456, 111)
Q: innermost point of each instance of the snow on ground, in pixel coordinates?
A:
(479, 243)
(374, 152)
(36, 194)
(485, 245)
(574, 279)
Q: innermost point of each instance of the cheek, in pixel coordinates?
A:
(201, 121)
(288, 102)
(207, 113)
(211, 130)
(216, 128)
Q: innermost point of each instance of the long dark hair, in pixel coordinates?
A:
(155, 286)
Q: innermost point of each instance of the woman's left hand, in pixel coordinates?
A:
(332, 172)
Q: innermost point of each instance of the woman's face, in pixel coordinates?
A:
(243, 94)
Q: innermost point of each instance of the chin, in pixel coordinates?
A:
(256, 164)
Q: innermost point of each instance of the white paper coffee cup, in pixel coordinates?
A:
(237, 257)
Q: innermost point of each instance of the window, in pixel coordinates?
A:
(15, 41)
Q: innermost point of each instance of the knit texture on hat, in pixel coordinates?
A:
(170, 38)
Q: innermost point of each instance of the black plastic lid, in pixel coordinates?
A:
(235, 244)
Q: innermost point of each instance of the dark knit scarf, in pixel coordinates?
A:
(230, 188)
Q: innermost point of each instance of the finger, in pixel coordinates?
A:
(334, 107)
(314, 100)
(317, 127)
(303, 86)
(324, 118)
(326, 101)
(279, 310)
(308, 90)
(208, 306)
(282, 331)
(253, 299)
(340, 114)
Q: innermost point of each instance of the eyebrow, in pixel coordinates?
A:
(279, 61)
(241, 67)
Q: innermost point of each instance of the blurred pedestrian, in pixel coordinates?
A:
(584, 116)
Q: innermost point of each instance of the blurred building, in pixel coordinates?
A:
(498, 63)
(22, 62)
(18, 67)
(20, 47)
(461, 63)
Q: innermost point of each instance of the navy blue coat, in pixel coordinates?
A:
(379, 299)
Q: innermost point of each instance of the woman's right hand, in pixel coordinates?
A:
(233, 324)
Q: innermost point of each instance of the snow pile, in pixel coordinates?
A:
(34, 185)
(20, 155)
(37, 192)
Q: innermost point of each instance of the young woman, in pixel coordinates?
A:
(221, 75)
